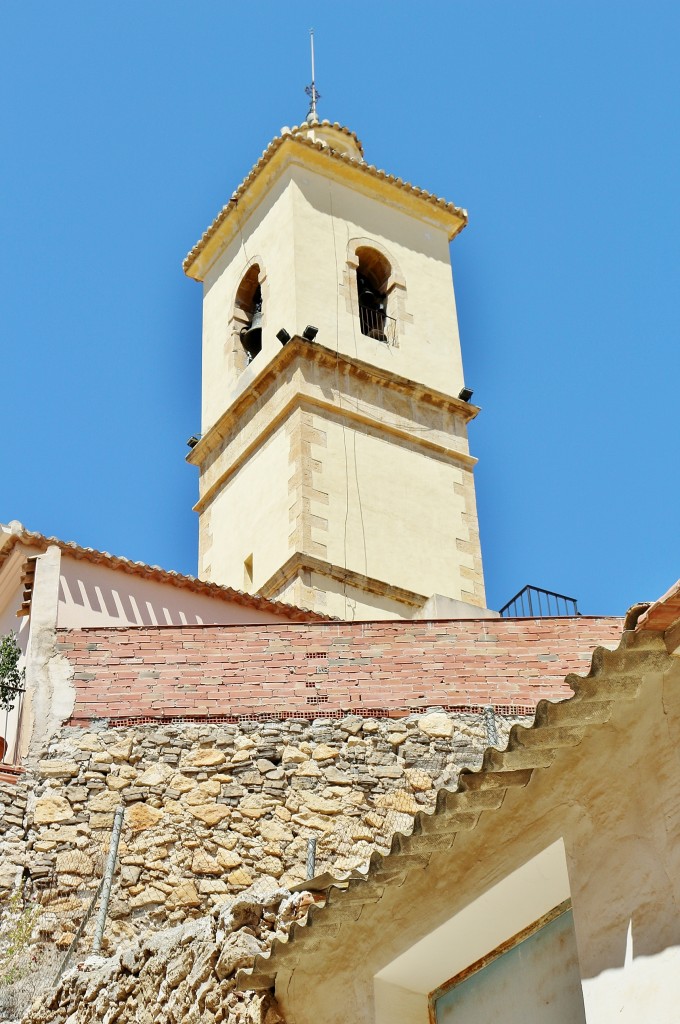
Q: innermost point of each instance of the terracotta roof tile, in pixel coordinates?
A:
(292, 135)
(15, 534)
(661, 615)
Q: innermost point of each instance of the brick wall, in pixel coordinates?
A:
(310, 670)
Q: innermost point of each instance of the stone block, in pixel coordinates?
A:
(228, 859)
(275, 831)
(292, 755)
(314, 821)
(418, 779)
(184, 895)
(240, 877)
(74, 862)
(120, 751)
(319, 804)
(398, 800)
(323, 752)
(436, 724)
(50, 809)
(104, 801)
(155, 775)
(140, 816)
(204, 757)
(210, 814)
(182, 784)
(58, 769)
(89, 742)
(203, 864)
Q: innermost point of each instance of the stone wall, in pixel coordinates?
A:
(14, 797)
(212, 809)
(181, 975)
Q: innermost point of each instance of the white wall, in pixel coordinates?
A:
(95, 595)
(11, 593)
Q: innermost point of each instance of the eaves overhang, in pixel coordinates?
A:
(15, 535)
(291, 147)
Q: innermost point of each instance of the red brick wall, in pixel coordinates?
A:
(322, 669)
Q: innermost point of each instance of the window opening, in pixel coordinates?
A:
(248, 574)
(373, 273)
(251, 334)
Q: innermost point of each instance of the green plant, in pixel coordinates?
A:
(18, 920)
(11, 676)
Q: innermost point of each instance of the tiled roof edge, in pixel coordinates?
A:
(613, 676)
(155, 572)
(361, 165)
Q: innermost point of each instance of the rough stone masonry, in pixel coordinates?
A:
(210, 808)
(212, 811)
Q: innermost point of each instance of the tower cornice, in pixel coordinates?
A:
(306, 375)
(295, 146)
(338, 362)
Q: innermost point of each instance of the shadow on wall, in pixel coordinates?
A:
(92, 594)
(88, 603)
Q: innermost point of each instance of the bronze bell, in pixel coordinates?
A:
(251, 336)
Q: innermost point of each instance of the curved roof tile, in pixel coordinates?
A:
(292, 135)
(613, 676)
(16, 533)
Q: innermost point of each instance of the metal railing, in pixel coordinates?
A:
(375, 323)
(534, 602)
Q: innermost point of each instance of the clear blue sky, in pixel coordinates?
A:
(126, 126)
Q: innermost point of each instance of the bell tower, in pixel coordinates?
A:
(333, 459)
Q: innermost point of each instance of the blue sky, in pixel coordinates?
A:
(126, 126)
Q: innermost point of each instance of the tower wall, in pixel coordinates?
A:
(368, 498)
(264, 237)
(335, 473)
(248, 518)
(331, 221)
(350, 488)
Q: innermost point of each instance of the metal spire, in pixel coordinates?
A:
(311, 89)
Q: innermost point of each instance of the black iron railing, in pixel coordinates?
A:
(375, 323)
(534, 602)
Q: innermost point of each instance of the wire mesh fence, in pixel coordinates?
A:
(38, 923)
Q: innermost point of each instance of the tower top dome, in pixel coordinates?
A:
(331, 135)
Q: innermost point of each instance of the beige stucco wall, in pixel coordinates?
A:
(330, 479)
(330, 220)
(249, 516)
(368, 475)
(393, 512)
(342, 599)
(266, 238)
(302, 234)
(346, 494)
(377, 509)
(614, 801)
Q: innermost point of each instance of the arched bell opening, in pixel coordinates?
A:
(249, 305)
(373, 274)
